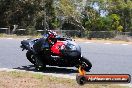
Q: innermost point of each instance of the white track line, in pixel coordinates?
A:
(125, 44)
(9, 38)
(108, 43)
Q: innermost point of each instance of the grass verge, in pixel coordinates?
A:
(103, 41)
(15, 79)
(19, 36)
(95, 40)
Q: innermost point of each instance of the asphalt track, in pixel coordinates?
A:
(106, 58)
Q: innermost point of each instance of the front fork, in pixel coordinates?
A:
(81, 70)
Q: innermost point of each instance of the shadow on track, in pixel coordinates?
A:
(48, 69)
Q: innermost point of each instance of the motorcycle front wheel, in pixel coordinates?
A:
(85, 64)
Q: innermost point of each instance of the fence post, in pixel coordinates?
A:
(9, 30)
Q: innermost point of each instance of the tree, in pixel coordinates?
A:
(67, 13)
(19, 12)
(122, 8)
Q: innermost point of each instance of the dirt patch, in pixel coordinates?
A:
(29, 80)
(9, 80)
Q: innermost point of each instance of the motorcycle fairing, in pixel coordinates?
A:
(56, 48)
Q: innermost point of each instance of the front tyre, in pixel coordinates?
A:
(85, 64)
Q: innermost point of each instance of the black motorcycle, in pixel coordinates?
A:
(54, 51)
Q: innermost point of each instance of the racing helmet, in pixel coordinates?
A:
(51, 36)
(52, 33)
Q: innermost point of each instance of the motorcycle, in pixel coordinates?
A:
(54, 51)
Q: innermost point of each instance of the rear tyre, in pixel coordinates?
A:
(30, 57)
(86, 64)
(39, 66)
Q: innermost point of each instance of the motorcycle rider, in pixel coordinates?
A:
(45, 42)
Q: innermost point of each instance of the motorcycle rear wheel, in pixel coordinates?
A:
(30, 57)
(39, 66)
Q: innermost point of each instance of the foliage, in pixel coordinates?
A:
(122, 8)
(92, 15)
